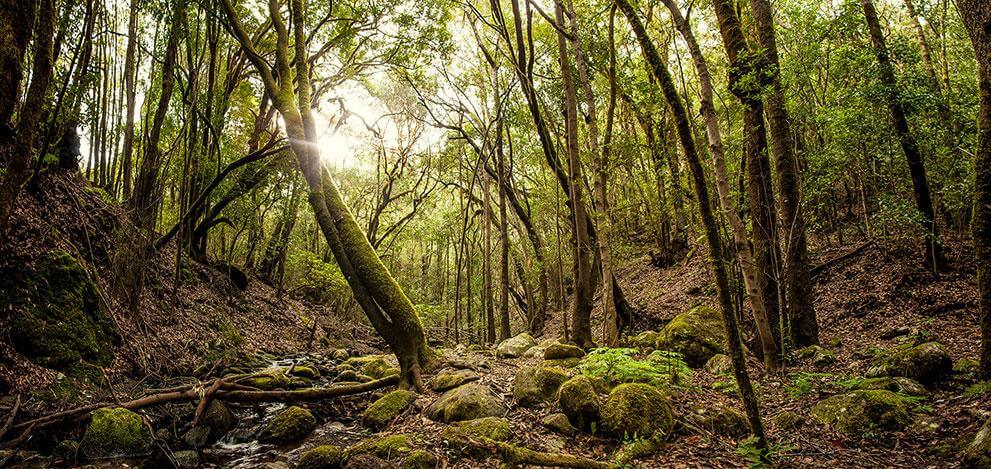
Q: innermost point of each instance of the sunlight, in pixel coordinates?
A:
(337, 149)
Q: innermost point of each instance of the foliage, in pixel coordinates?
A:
(619, 365)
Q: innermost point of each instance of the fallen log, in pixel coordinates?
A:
(518, 456)
(815, 271)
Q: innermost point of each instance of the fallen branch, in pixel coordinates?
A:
(825, 265)
(517, 456)
(205, 402)
(10, 418)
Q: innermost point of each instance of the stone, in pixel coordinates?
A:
(558, 351)
(420, 459)
(340, 355)
(697, 334)
(214, 423)
(384, 410)
(863, 411)
(559, 423)
(197, 437)
(374, 366)
(787, 420)
(723, 420)
(186, 458)
(562, 362)
(644, 340)
(115, 432)
(303, 371)
(467, 402)
(269, 379)
(579, 401)
(515, 347)
(386, 447)
(817, 355)
(635, 410)
(895, 384)
(368, 461)
(926, 363)
(290, 425)
(534, 386)
(450, 379)
(978, 452)
(492, 428)
(719, 364)
(322, 457)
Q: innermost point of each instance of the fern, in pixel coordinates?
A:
(619, 365)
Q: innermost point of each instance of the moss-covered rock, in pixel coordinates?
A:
(644, 340)
(787, 420)
(450, 379)
(386, 447)
(558, 351)
(534, 386)
(635, 410)
(290, 425)
(339, 355)
(186, 459)
(559, 423)
(926, 363)
(468, 402)
(303, 371)
(862, 412)
(719, 364)
(322, 457)
(366, 461)
(896, 384)
(374, 366)
(493, 428)
(514, 347)
(562, 362)
(697, 334)
(268, 379)
(579, 401)
(722, 420)
(115, 432)
(817, 355)
(420, 459)
(57, 315)
(213, 424)
(386, 408)
(978, 452)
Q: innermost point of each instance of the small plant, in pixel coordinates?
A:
(804, 382)
(756, 458)
(978, 389)
(619, 365)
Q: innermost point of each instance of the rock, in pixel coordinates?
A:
(450, 379)
(197, 437)
(368, 461)
(322, 457)
(420, 459)
(269, 379)
(644, 340)
(386, 447)
(340, 355)
(374, 366)
(303, 371)
(558, 350)
(467, 402)
(697, 334)
(536, 351)
(186, 458)
(635, 410)
(214, 423)
(723, 420)
(492, 428)
(859, 412)
(514, 347)
(579, 401)
(787, 420)
(347, 376)
(926, 363)
(534, 386)
(559, 423)
(66, 449)
(115, 432)
(378, 415)
(290, 425)
(57, 315)
(978, 452)
(719, 364)
(817, 355)
(894, 384)
(562, 362)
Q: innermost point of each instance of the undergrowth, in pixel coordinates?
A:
(620, 365)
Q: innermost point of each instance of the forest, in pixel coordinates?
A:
(301, 234)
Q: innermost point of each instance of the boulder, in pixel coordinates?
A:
(719, 364)
(978, 452)
(322, 457)
(514, 347)
(269, 379)
(559, 423)
(368, 461)
(860, 412)
(635, 410)
(579, 401)
(723, 420)
(374, 366)
(926, 363)
(57, 315)
(339, 355)
(787, 420)
(492, 428)
(558, 351)
(562, 362)
(644, 340)
(697, 334)
(467, 402)
(115, 432)
(386, 447)
(420, 459)
(378, 415)
(214, 423)
(186, 459)
(450, 379)
(894, 384)
(288, 426)
(534, 386)
(817, 355)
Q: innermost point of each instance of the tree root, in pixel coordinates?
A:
(221, 390)
(516, 456)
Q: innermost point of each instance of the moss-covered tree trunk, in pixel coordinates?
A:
(734, 345)
(976, 16)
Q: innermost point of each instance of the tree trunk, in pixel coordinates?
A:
(916, 165)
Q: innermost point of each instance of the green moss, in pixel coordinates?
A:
(562, 362)
(420, 459)
(925, 363)
(579, 400)
(636, 410)
(723, 420)
(387, 408)
(115, 432)
(471, 401)
(534, 386)
(59, 319)
(450, 379)
(386, 447)
(863, 412)
(304, 371)
(374, 366)
(897, 385)
(557, 351)
(493, 428)
(697, 335)
(292, 424)
(619, 365)
(269, 379)
(322, 457)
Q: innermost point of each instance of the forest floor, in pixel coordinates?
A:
(873, 301)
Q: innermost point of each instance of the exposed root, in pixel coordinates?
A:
(517, 456)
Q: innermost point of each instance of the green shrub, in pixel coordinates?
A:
(619, 365)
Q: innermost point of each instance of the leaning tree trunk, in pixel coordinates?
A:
(976, 16)
(798, 310)
(916, 165)
(735, 347)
